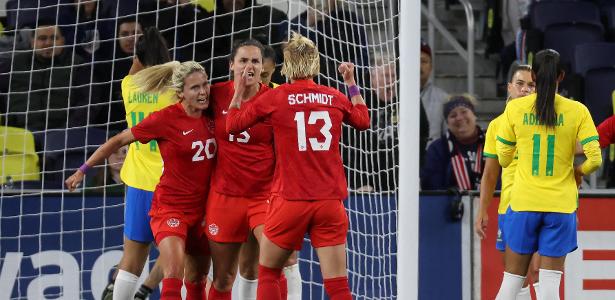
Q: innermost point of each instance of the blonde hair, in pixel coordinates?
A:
(301, 58)
(170, 75)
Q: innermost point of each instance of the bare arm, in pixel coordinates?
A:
(102, 153)
(487, 186)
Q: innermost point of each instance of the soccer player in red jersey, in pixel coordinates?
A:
(309, 181)
(185, 136)
(241, 181)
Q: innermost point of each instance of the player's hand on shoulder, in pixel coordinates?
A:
(346, 69)
(74, 181)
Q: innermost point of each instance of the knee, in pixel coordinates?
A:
(224, 281)
(292, 260)
(248, 270)
(174, 269)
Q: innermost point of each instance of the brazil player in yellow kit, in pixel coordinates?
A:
(141, 170)
(520, 85)
(542, 129)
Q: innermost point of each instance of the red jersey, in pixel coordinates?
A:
(606, 131)
(188, 148)
(307, 123)
(245, 162)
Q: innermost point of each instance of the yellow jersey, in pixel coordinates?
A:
(508, 173)
(544, 179)
(143, 165)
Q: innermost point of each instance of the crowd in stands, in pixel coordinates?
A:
(61, 68)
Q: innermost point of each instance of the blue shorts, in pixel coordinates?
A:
(548, 233)
(136, 215)
(500, 242)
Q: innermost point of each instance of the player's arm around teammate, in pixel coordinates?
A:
(185, 137)
(544, 127)
(520, 85)
(297, 206)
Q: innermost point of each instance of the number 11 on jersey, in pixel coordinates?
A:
(536, 154)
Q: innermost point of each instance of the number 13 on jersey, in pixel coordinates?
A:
(315, 145)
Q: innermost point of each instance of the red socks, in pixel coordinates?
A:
(171, 289)
(268, 283)
(217, 295)
(283, 287)
(194, 291)
(337, 288)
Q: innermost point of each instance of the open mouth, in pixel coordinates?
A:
(201, 100)
(250, 74)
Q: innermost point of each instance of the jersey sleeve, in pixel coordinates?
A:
(506, 139)
(588, 137)
(150, 128)
(606, 132)
(356, 116)
(489, 149)
(250, 113)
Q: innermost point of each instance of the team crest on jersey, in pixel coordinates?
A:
(213, 229)
(172, 222)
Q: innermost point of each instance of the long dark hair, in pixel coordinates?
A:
(246, 43)
(151, 48)
(547, 71)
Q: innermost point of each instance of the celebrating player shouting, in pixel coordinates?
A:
(188, 148)
(309, 183)
(241, 182)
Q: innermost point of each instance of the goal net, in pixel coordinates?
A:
(61, 65)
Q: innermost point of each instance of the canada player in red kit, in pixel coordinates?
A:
(309, 181)
(185, 136)
(241, 181)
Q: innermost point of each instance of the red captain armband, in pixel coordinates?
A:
(353, 90)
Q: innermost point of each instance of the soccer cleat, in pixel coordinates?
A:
(143, 292)
(107, 292)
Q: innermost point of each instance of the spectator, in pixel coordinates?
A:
(239, 20)
(455, 160)
(107, 180)
(49, 85)
(382, 141)
(89, 26)
(111, 111)
(177, 20)
(339, 35)
(432, 96)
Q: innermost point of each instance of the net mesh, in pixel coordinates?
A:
(60, 98)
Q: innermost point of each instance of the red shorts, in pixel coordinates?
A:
(188, 225)
(230, 219)
(288, 221)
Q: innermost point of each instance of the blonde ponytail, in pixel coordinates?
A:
(156, 79)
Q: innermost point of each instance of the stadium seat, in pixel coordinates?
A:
(66, 150)
(547, 13)
(596, 63)
(565, 37)
(609, 13)
(19, 161)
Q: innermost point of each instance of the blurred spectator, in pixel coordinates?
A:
(177, 20)
(339, 34)
(107, 179)
(89, 25)
(49, 86)
(269, 59)
(110, 110)
(456, 159)
(239, 20)
(432, 96)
